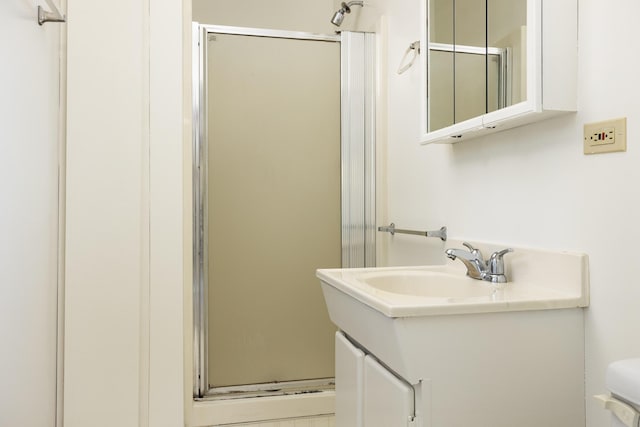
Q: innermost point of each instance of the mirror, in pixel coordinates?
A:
(476, 59)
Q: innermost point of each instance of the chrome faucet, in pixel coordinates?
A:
(477, 268)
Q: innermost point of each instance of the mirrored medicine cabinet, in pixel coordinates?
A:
(490, 65)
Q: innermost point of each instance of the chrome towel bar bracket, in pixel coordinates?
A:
(391, 228)
(53, 16)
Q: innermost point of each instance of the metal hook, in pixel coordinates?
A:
(415, 47)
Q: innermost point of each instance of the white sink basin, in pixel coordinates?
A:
(539, 280)
(429, 284)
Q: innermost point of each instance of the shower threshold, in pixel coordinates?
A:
(283, 388)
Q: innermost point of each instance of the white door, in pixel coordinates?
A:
(29, 107)
(388, 401)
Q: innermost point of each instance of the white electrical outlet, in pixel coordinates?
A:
(605, 137)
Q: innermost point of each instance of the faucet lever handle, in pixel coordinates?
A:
(468, 246)
(496, 263)
(475, 251)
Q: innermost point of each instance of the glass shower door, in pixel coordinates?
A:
(272, 206)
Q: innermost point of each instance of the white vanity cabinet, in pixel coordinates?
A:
(367, 394)
(427, 346)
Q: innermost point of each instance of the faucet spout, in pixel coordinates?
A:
(476, 268)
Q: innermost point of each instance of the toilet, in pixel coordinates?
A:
(623, 382)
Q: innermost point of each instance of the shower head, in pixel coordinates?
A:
(338, 17)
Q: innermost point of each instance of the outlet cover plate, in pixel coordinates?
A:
(605, 137)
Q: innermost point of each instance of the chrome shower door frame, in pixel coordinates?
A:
(357, 164)
(358, 142)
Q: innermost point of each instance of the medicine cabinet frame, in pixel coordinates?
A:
(551, 74)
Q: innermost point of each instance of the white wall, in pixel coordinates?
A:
(532, 186)
(294, 15)
(29, 144)
(106, 214)
(124, 249)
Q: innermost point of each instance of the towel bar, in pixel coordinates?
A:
(391, 228)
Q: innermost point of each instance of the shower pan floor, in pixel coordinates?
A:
(269, 389)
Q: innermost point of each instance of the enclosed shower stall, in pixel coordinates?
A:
(284, 168)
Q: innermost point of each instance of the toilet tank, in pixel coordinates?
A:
(623, 382)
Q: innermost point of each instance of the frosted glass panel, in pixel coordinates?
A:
(273, 206)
